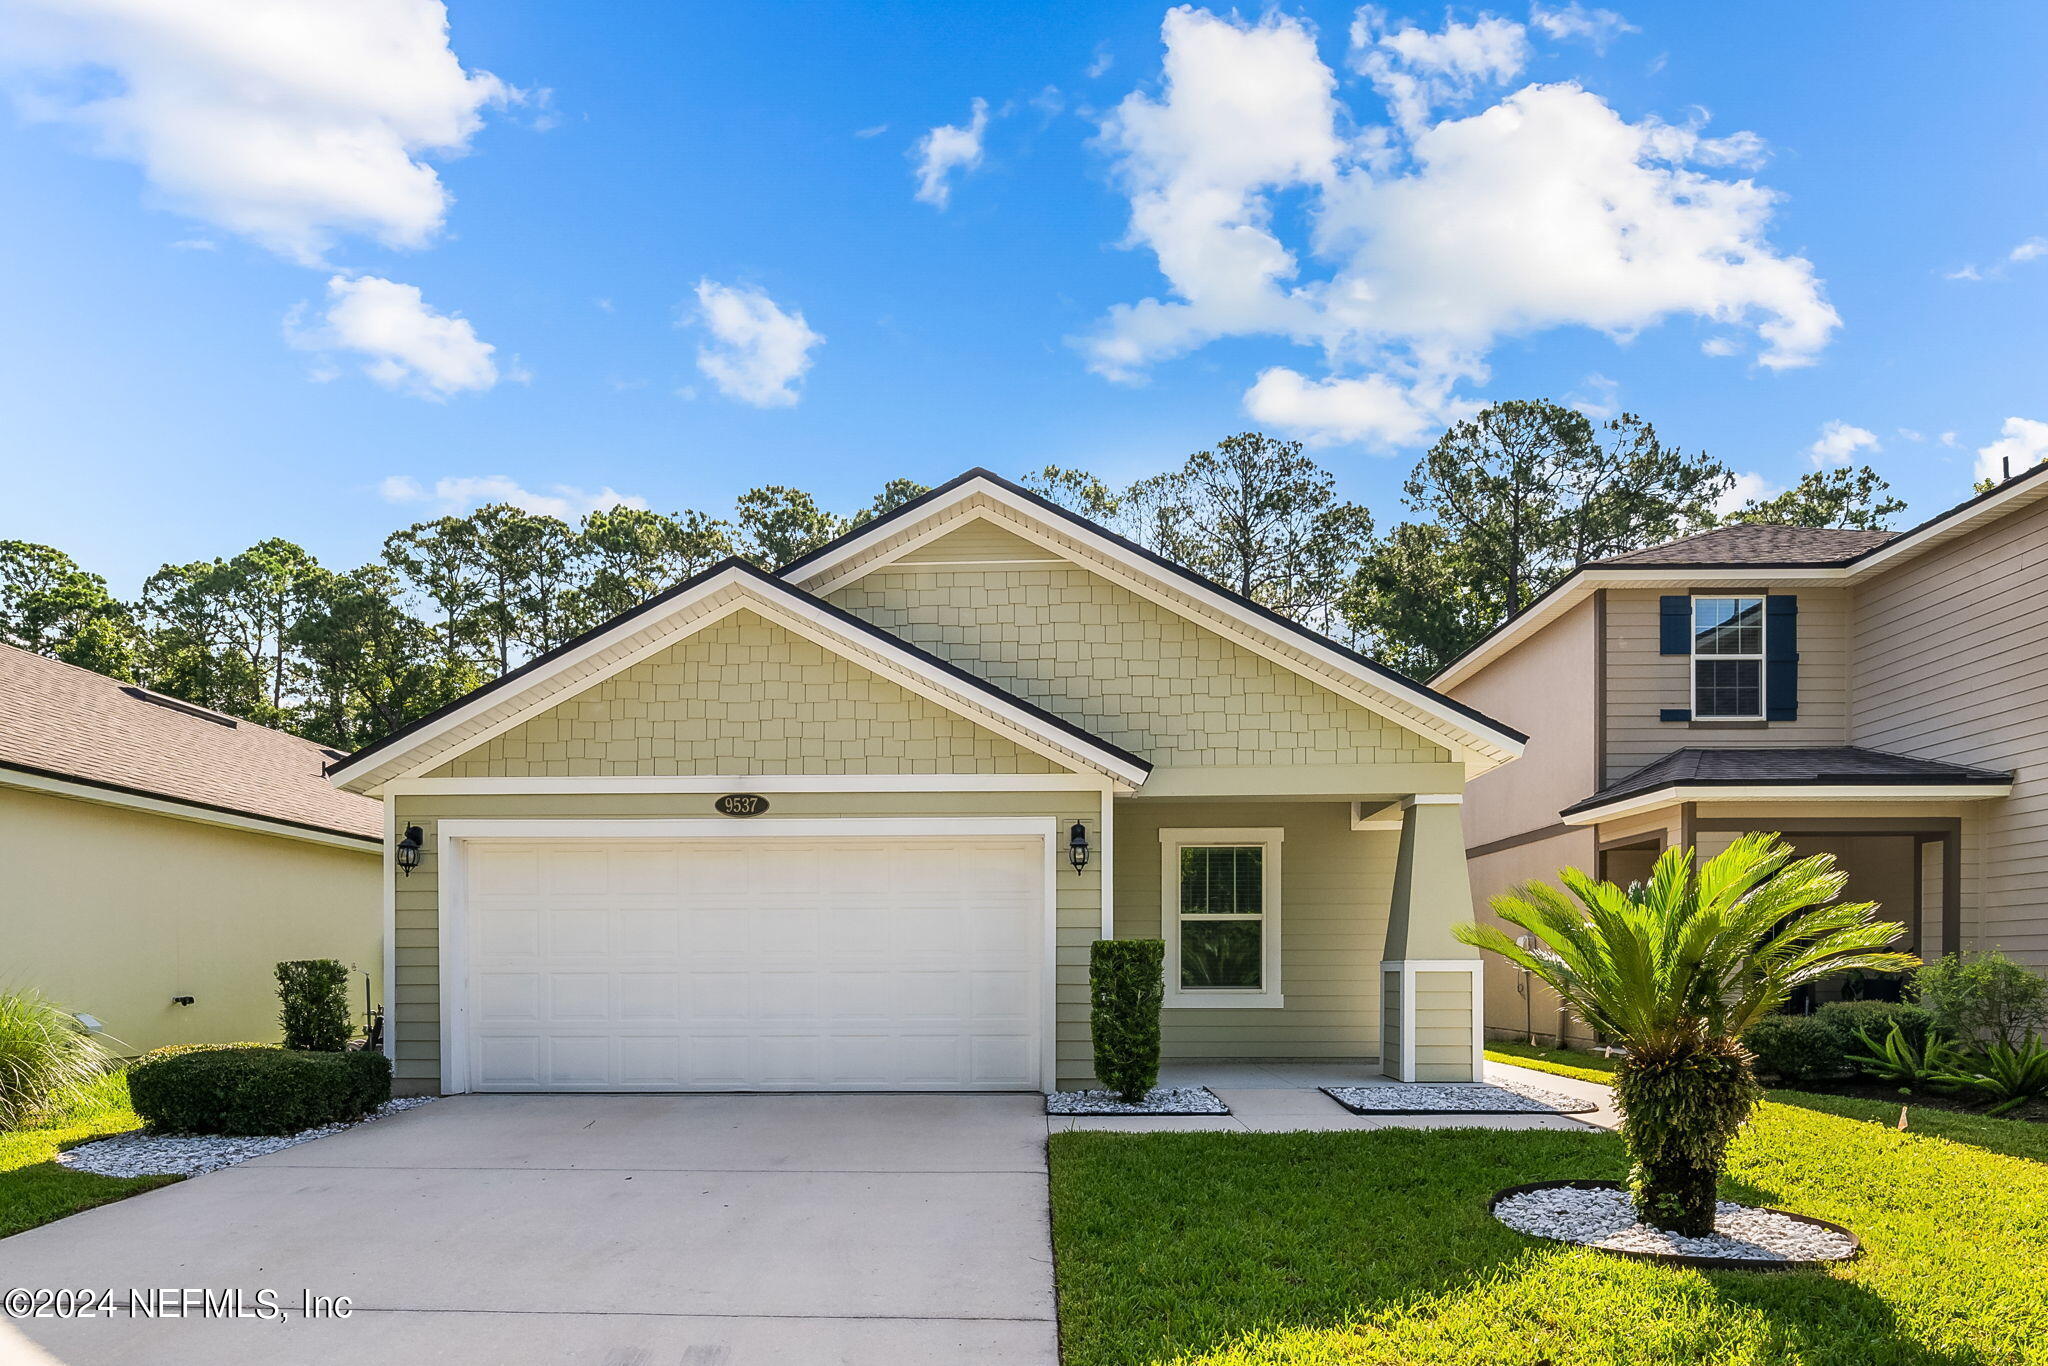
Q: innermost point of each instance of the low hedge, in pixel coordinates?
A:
(257, 1090)
(1876, 1019)
(1798, 1048)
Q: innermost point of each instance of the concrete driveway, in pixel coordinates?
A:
(628, 1230)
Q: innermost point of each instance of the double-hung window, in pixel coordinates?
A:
(1221, 916)
(1728, 659)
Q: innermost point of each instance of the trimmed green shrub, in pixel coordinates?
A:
(314, 994)
(2008, 1076)
(45, 1055)
(257, 1090)
(1798, 1047)
(173, 1050)
(1126, 986)
(1983, 999)
(1877, 1019)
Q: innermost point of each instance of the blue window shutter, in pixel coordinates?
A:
(1781, 657)
(1675, 621)
(1675, 714)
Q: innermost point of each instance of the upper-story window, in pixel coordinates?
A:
(1728, 659)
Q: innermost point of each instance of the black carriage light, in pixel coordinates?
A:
(1077, 846)
(408, 850)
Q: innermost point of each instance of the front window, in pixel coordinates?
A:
(1728, 659)
(1222, 916)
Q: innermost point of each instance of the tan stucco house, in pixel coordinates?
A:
(1878, 695)
(158, 860)
(854, 825)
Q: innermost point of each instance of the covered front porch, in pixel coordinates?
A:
(1304, 933)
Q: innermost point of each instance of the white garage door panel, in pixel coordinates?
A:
(755, 964)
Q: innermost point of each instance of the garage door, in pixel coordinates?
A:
(754, 964)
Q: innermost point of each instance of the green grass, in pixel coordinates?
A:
(34, 1189)
(1377, 1248)
(1565, 1062)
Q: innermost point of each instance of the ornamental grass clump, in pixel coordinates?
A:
(1674, 969)
(45, 1056)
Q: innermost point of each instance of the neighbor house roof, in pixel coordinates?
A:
(1748, 555)
(1698, 774)
(71, 730)
(1756, 544)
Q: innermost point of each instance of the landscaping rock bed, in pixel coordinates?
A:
(140, 1153)
(1465, 1098)
(1598, 1214)
(1161, 1100)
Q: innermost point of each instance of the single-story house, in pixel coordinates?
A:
(160, 859)
(854, 825)
(1881, 696)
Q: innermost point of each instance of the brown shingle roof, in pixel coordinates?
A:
(1756, 544)
(72, 723)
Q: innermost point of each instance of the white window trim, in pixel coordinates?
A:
(1693, 655)
(1171, 842)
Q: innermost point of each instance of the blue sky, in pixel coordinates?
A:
(217, 327)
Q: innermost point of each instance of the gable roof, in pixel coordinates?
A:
(1733, 555)
(1833, 767)
(1758, 544)
(673, 615)
(70, 726)
(1308, 652)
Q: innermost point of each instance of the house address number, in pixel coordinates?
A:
(741, 804)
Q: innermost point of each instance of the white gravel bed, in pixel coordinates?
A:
(1605, 1219)
(141, 1153)
(1471, 1098)
(1160, 1100)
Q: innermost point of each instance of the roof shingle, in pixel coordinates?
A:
(1835, 766)
(1756, 544)
(72, 723)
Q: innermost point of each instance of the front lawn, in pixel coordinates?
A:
(34, 1189)
(1377, 1247)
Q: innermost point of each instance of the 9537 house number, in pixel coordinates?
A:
(740, 804)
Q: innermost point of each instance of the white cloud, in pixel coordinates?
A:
(2028, 250)
(1597, 396)
(406, 344)
(2032, 249)
(456, 495)
(948, 148)
(1721, 346)
(1416, 70)
(1747, 486)
(1910, 434)
(759, 352)
(1432, 241)
(286, 121)
(1099, 64)
(1599, 27)
(1948, 439)
(1373, 410)
(2022, 445)
(1839, 442)
(871, 131)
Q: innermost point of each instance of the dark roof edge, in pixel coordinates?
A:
(373, 841)
(1975, 778)
(732, 562)
(1236, 599)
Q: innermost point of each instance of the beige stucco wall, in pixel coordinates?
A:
(113, 912)
(1126, 669)
(1334, 888)
(1951, 662)
(1545, 687)
(1516, 1007)
(1641, 682)
(417, 1014)
(744, 696)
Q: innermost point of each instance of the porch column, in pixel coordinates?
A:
(1430, 997)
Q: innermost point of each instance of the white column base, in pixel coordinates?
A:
(1398, 1010)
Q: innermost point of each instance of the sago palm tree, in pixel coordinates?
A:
(1673, 970)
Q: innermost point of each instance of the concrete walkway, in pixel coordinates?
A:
(702, 1230)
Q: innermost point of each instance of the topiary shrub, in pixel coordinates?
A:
(173, 1050)
(257, 1090)
(1798, 1047)
(1876, 1019)
(314, 996)
(1126, 986)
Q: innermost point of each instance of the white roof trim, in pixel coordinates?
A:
(1414, 709)
(1660, 797)
(183, 811)
(1581, 584)
(718, 596)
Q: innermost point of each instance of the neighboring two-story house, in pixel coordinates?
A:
(1881, 696)
(855, 824)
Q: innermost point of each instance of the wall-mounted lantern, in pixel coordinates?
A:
(1077, 846)
(408, 849)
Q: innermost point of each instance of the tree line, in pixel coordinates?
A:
(1501, 507)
